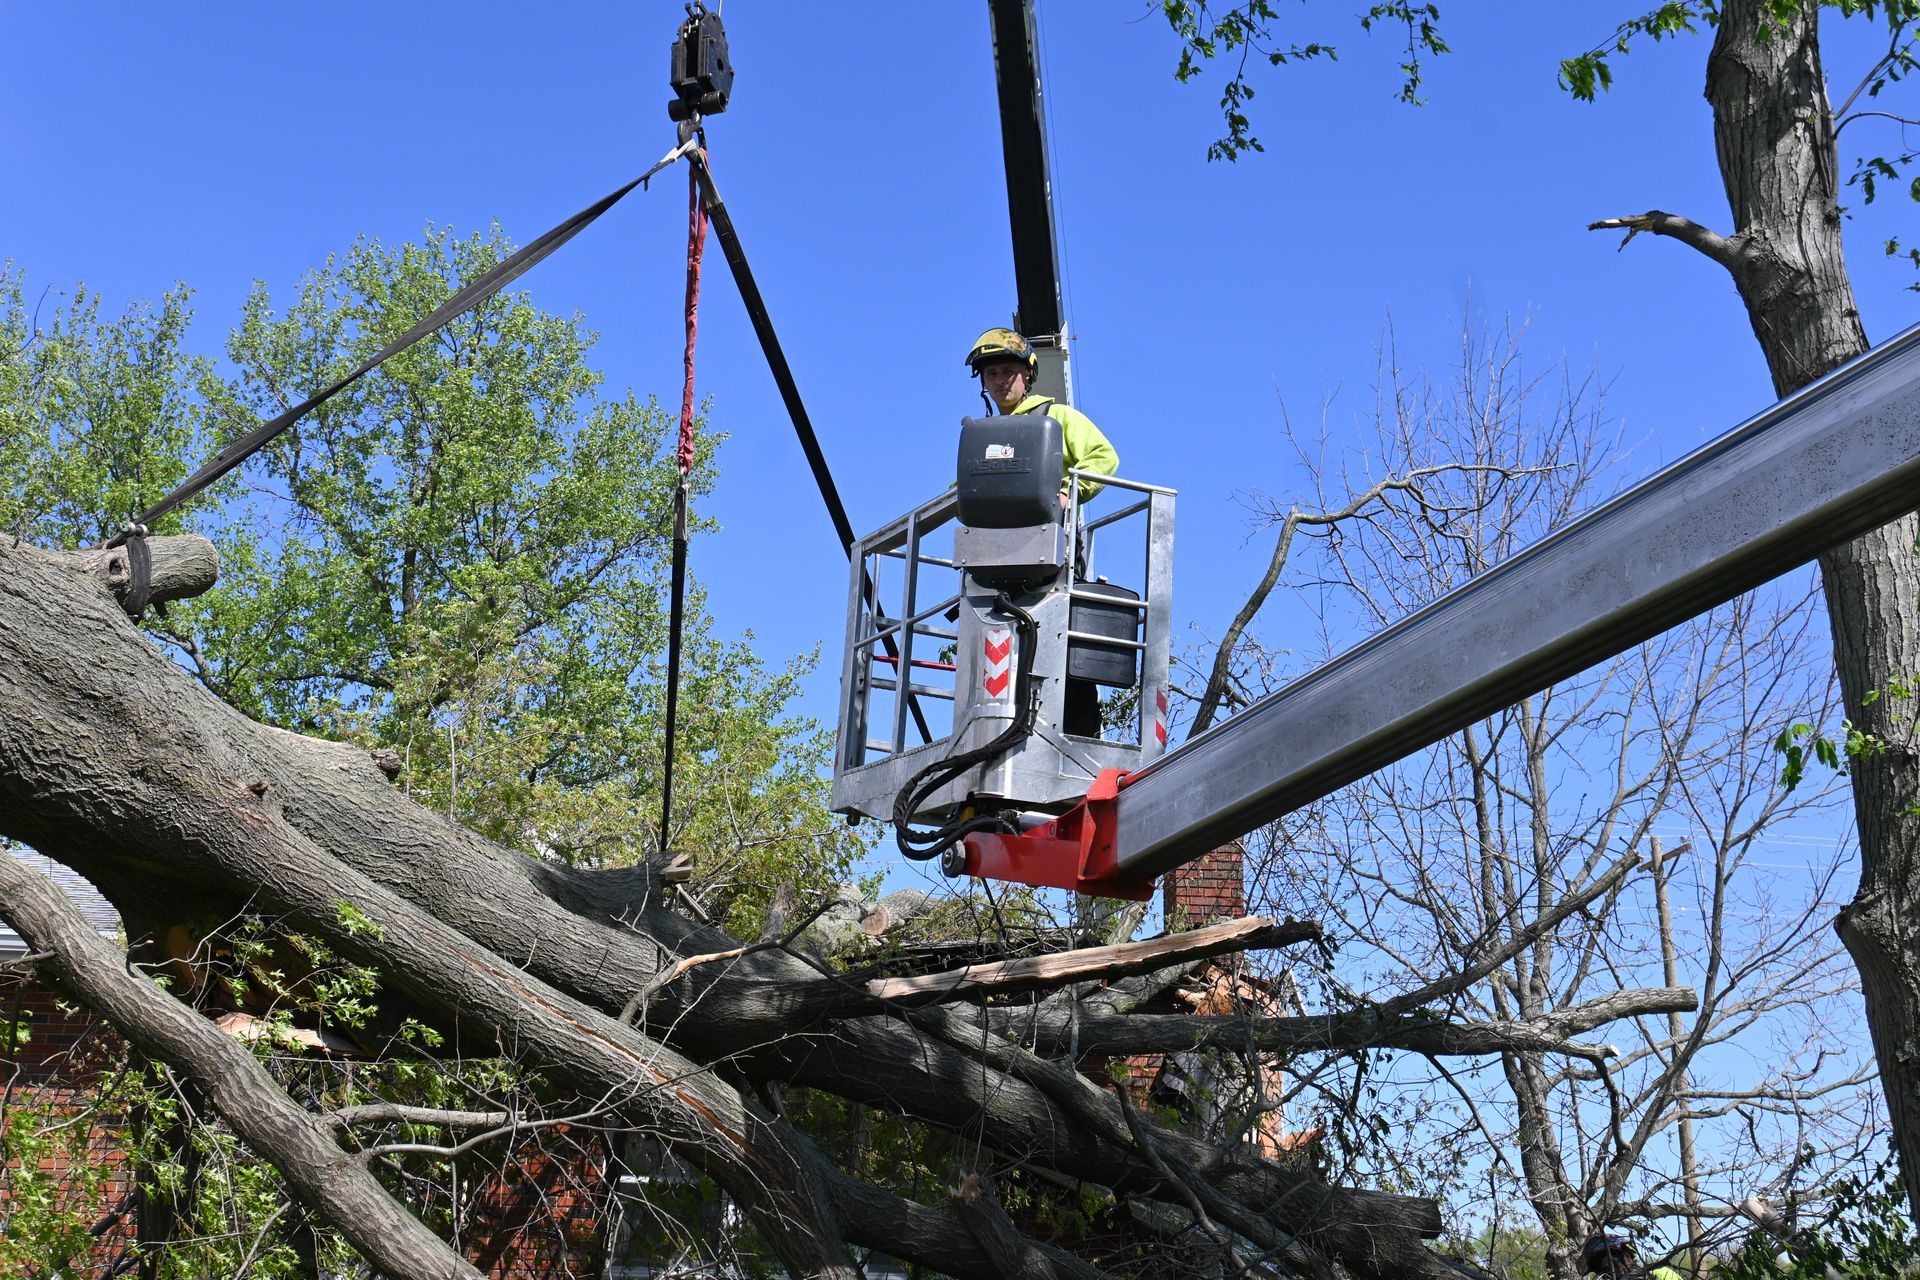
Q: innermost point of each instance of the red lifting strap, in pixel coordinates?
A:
(676, 618)
(696, 243)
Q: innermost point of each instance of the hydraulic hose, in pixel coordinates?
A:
(922, 846)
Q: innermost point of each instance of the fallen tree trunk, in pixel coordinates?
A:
(115, 762)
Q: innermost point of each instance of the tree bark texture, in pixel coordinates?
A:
(115, 762)
(179, 567)
(1774, 136)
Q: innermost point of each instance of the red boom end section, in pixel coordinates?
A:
(1074, 851)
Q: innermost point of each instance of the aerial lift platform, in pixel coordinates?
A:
(969, 620)
(1837, 459)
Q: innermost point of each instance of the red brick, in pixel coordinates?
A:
(1210, 888)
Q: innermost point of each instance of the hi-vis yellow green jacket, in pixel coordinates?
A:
(1084, 448)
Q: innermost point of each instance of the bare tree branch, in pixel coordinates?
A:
(1723, 250)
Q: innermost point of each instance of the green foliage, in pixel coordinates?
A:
(226, 1211)
(1797, 739)
(1422, 25)
(289, 978)
(233, 1201)
(1590, 73)
(461, 559)
(53, 1186)
(1801, 739)
(1241, 32)
(1238, 35)
(97, 416)
(1864, 1234)
(356, 922)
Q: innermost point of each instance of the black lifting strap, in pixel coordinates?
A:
(139, 571)
(676, 616)
(756, 306)
(471, 296)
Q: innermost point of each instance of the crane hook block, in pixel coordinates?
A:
(702, 68)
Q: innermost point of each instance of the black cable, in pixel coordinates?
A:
(675, 617)
(924, 845)
(471, 296)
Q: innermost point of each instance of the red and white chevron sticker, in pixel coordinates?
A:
(1160, 715)
(996, 673)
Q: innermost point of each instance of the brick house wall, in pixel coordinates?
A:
(1210, 888)
(52, 1056)
(544, 1214)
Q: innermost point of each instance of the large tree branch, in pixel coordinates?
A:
(179, 567)
(1725, 250)
(1302, 1206)
(1014, 1256)
(113, 760)
(321, 1176)
(1098, 1035)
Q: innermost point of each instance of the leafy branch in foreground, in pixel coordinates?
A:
(1243, 33)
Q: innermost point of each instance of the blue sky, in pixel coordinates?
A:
(219, 144)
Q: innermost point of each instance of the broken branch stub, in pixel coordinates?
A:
(180, 567)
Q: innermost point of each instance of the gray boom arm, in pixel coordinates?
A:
(1838, 458)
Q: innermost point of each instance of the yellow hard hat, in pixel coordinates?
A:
(1001, 344)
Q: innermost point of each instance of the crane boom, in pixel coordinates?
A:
(1023, 144)
(1835, 460)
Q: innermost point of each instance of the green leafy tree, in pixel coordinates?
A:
(461, 559)
(98, 417)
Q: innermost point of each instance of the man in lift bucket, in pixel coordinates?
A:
(1005, 363)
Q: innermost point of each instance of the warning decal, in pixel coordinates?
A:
(996, 673)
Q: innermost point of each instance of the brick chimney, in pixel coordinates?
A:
(1210, 888)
